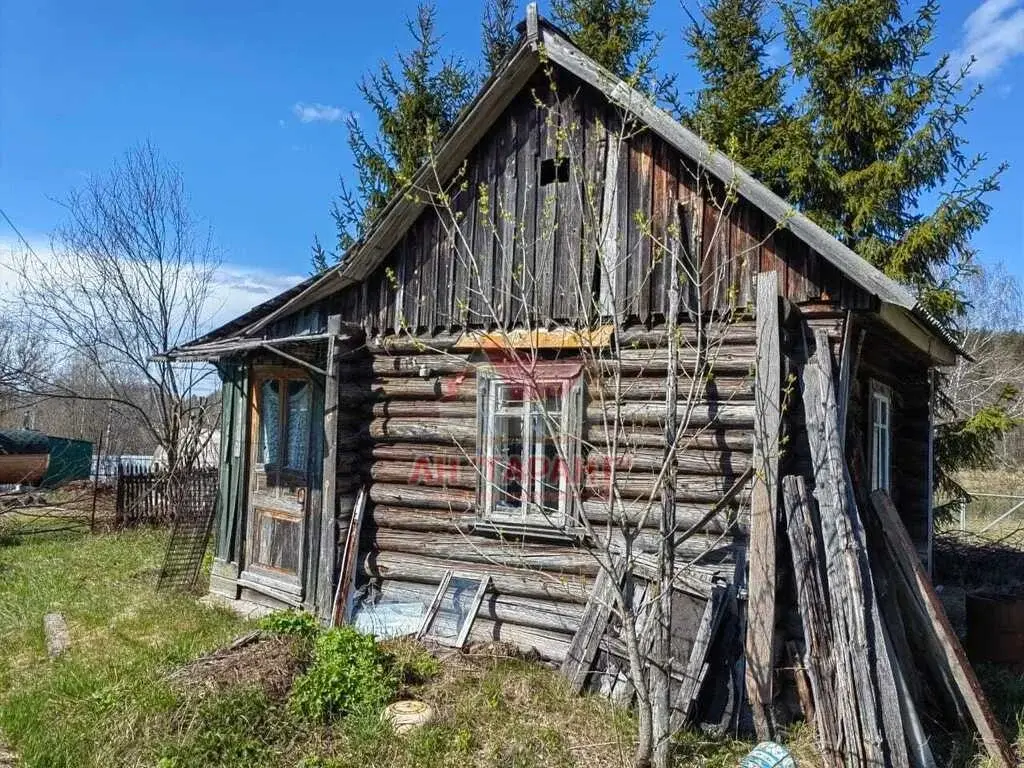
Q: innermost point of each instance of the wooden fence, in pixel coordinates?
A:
(153, 498)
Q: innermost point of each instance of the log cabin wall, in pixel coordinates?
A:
(887, 359)
(423, 471)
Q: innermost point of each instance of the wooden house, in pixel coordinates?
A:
(551, 225)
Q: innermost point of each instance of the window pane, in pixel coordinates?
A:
(547, 466)
(454, 609)
(509, 398)
(508, 461)
(298, 424)
(277, 542)
(270, 422)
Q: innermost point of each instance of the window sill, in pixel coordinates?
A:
(527, 530)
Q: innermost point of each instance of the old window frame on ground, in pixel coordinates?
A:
(262, 574)
(497, 388)
(880, 415)
(425, 632)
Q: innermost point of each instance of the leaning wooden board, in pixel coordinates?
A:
(943, 638)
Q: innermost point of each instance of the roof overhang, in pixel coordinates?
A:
(910, 326)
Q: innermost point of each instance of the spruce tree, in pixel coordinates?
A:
(414, 105)
(740, 107)
(888, 171)
(498, 31)
(615, 33)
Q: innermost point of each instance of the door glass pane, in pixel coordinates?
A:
(277, 541)
(454, 609)
(298, 424)
(270, 422)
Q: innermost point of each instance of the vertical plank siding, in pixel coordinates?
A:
(520, 251)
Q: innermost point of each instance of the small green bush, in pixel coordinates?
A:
(411, 662)
(294, 623)
(349, 674)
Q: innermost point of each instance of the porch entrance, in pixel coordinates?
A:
(279, 480)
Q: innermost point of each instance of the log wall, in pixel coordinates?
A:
(423, 474)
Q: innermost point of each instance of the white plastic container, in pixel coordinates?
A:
(768, 754)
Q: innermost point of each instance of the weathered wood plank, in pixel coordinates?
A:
(422, 497)
(759, 643)
(855, 615)
(461, 548)
(949, 656)
(524, 583)
(592, 197)
(349, 562)
(450, 431)
(569, 286)
(832, 719)
(550, 646)
(640, 193)
(585, 643)
(328, 533)
(723, 438)
(691, 415)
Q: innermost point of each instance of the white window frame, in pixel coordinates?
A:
(881, 437)
(483, 584)
(529, 514)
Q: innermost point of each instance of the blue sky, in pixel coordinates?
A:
(248, 99)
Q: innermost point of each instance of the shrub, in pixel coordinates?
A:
(350, 673)
(411, 662)
(294, 623)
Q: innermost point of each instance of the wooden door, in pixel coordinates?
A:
(279, 481)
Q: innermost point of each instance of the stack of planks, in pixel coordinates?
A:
(878, 650)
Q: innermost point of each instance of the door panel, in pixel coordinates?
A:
(279, 480)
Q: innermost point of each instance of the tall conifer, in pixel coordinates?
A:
(889, 173)
(414, 104)
(615, 33)
(498, 31)
(740, 106)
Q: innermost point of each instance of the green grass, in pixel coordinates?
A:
(110, 702)
(106, 696)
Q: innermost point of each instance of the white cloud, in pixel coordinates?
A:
(237, 289)
(318, 113)
(234, 289)
(993, 34)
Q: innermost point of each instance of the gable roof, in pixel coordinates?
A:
(541, 42)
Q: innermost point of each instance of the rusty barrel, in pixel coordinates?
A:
(995, 628)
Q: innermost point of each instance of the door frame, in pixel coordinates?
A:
(287, 589)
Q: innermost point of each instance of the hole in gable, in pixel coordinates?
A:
(554, 169)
